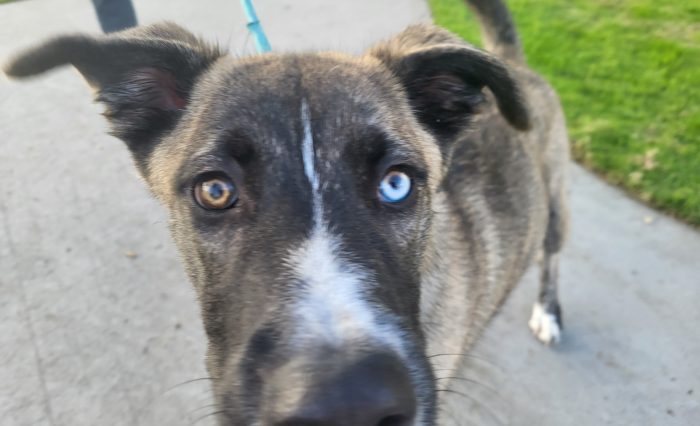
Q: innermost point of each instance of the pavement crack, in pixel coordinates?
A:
(7, 229)
(37, 356)
(46, 401)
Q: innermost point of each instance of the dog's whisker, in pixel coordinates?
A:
(154, 399)
(199, 419)
(457, 422)
(446, 410)
(187, 382)
(488, 410)
(203, 407)
(471, 381)
(470, 356)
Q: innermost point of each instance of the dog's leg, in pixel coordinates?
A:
(546, 319)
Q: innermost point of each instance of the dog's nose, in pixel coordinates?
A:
(376, 391)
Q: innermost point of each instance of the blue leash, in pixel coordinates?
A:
(255, 27)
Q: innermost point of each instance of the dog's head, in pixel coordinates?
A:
(299, 189)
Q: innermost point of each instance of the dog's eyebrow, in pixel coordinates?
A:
(378, 143)
(216, 156)
(237, 144)
(232, 143)
(191, 168)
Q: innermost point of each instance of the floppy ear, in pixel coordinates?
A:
(143, 76)
(444, 82)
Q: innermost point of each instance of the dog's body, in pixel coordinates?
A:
(504, 190)
(342, 218)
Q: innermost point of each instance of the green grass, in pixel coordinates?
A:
(628, 74)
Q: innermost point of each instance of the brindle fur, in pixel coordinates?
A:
(487, 132)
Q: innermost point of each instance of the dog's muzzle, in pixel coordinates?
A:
(374, 390)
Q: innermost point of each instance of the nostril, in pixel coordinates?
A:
(397, 420)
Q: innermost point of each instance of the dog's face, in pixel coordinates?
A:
(299, 189)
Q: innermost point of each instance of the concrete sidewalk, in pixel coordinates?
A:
(98, 324)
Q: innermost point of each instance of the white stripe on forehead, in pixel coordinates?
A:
(332, 308)
(308, 155)
(307, 147)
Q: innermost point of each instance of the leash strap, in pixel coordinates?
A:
(255, 27)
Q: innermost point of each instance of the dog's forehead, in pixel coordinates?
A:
(264, 92)
(320, 75)
(347, 97)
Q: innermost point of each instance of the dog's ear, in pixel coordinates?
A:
(444, 80)
(143, 76)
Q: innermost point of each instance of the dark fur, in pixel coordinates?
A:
(482, 136)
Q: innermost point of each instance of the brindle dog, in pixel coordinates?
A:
(341, 217)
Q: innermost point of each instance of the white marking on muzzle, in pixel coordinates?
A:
(332, 307)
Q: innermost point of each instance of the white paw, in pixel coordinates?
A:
(544, 325)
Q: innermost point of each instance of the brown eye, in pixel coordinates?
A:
(215, 193)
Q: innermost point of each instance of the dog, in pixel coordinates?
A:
(342, 218)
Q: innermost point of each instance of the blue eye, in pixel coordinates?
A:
(395, 187)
